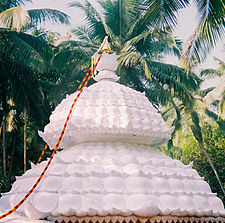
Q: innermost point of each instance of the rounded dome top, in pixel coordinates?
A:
(107, 111)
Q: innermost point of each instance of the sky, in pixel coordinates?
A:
(187, 21)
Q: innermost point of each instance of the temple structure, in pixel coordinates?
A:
(108, 170)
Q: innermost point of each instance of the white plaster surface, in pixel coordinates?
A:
(113, 178)
(107, 111)
(106, 168)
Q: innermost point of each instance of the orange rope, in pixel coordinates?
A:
(42, 154)
(55, 149)
(80, 86)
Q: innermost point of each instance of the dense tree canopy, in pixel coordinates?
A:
(215, 142)
(24, 72)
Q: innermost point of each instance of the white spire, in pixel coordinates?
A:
(107, 64)
(106, 67)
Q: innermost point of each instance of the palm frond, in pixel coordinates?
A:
(92, 17)
(177, 88)
(204, 92)
(159, 13)
(69, 83)
(132, 58)
(7, 4)
(222, 63)
(39, 44)
(156, 41)
(209, 31)
(212, 9)
(14, 18)
(129, 77)
(109, 32)
(217, 93)
(221, 68)
(48, 15)
(222, 106)
(19, 49)
(211, 73)
(71, 54)
(202, 41)
(96, 23)
(76, 4)
(84, 34)
(157, 94)
(121, 15)
(192, 82)
(216, 118)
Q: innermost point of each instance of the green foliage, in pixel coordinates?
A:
(14, 150)
(209, 31)
(17, 18)
(215, 96)
(26, 78)
(214, 142)
(173, 151)
(5, 184)
(187, 150)
(218, 120)
(6, 4)
(39, 16)
(140, 33)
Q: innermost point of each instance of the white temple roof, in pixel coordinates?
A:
(107, 111)
(118, 179)
(106, 170)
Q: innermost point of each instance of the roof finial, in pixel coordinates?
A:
(108, 63)
(105, 47)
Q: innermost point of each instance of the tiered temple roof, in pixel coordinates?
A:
(107, 170)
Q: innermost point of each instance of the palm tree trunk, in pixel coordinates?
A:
(1, 130)
(4, 146)
(25, 140)
(12, 156)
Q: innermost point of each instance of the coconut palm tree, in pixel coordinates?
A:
(216, 95)
(209, 31)
(212, 100)
(24, 58)
(14, 17)
(201, 106)
(140, 33)
(21, 54)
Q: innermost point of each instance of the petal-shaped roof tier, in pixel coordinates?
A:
(107, 173)
(116, 179)
(107, 111)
